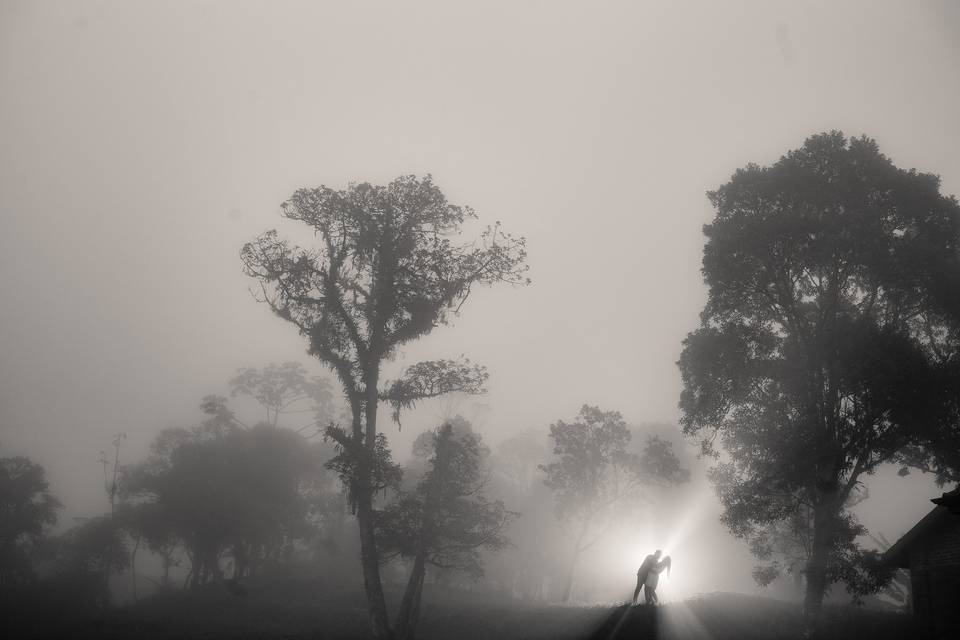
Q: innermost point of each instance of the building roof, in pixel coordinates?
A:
(947, 505)
(950, 500)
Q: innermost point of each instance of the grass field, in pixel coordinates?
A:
(307, 609)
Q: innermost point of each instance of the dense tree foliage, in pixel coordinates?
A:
(828, 344)
(151, 525)
(27, 509)
(236, 493)
(87, 555)
(594, 477)
(446, 519)
(387, 271)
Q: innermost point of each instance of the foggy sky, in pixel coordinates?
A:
(141, 144)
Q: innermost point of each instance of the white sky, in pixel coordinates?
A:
(142, 143)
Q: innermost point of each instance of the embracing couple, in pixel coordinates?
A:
(649, 575)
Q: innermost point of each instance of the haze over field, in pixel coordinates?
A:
(141, 144)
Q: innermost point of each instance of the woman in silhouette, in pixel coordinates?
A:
(653, 577)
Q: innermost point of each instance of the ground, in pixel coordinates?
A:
(309, 610)
(727, 616)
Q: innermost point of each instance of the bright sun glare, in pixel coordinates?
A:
(673, 540)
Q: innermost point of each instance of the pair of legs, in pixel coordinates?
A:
(651, 595)
(636, 592)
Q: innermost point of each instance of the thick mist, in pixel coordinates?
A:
(144, 143)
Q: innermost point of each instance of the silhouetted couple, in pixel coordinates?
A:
(649, 575)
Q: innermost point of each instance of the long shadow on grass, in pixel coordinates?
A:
(627, 621)
(724, 616)
(718, 617)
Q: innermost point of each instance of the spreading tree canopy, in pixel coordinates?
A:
(236, 491)
(829, 343)
(287, 389)
(388, 268)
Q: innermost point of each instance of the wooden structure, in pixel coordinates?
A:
(931, 552)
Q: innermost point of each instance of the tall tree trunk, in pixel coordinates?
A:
(568, 581)
(816, 573)
(798, 592)
(196, 560)
(133, 567)
(415, 609)
(816, 588)
(167, 561)
(241, 560)
(105, 588)
(568, 584)
(376, 603)
(196, 569)
(4, 553)
(410, 606)
(369, 559)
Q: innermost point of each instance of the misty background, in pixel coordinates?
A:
(144, 143)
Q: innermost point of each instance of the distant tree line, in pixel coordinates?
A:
(223, 502)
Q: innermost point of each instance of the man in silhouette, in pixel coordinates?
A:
(648, 564)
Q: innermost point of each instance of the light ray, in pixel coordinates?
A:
(675, 541)
(678, 621)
